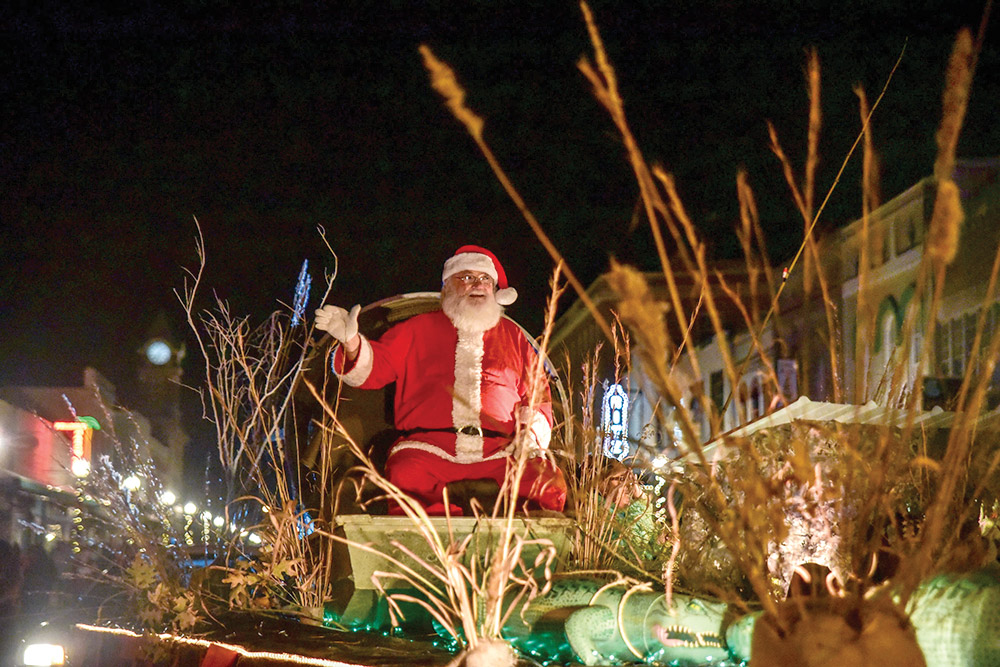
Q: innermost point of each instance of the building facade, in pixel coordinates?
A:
(852, 330)
(50, 437)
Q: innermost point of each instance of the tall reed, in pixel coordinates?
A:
(751, 501)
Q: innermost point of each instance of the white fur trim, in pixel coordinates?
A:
(467, 399)
(437, 451)
(362, 365)
(506, 296)
(469, 261)
(537, 426)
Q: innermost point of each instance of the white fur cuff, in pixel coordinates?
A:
(362, 365)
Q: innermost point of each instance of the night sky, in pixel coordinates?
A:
(121, 124)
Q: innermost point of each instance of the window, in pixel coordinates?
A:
(852, 264)
(883, 356)
(716, 389)
(990, 326)
(941, 349)
(878, 247)
(756, 408)
(969, 325)
(698, 416)
(908, 234)
(953, 343)
(953, 364)
(788, 379)
(884, 239)
(743, 408)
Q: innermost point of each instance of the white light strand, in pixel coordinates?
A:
(256, 655)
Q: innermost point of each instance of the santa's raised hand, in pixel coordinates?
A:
(340, 324)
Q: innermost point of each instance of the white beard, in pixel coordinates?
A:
(469, 315)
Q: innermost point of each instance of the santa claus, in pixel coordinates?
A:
(463, 387)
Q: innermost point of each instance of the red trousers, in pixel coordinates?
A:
(423, 475)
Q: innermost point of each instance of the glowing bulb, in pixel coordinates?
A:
(190, 508)
(218, 522)
(158, 352)
(80, 467)
(254, 538)
(131, 483)
(168, 497)
(206, 516)
(44, 654)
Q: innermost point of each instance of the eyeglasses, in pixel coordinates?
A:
(468, 279)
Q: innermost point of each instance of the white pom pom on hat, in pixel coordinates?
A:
(474, 258)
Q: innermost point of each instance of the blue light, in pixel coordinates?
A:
(301, 294)
(614, 422)
(306, 525)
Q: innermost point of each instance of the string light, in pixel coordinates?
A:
(301, 294)
(243, 652)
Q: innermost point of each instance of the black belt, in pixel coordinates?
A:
(465, 430)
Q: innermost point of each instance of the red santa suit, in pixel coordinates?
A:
(460, 397)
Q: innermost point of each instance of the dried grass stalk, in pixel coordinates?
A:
(942, 239)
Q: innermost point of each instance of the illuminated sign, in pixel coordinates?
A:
(614, 422)
(82, 431)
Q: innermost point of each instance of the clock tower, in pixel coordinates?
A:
(159, 375)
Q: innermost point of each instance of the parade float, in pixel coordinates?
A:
(851, 535)
(334, 580)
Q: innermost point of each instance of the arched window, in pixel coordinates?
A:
(886, 325)
(885, 345)
(614, 422)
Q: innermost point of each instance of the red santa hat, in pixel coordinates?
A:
(474, 258)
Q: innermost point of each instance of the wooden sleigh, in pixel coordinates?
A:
(367, 418)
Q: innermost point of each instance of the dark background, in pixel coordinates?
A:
(122, 122)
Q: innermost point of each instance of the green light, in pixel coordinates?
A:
(90, 421)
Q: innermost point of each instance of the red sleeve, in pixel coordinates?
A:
(379, 362)
(539, 420)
